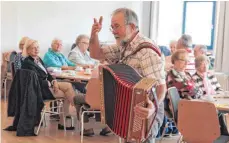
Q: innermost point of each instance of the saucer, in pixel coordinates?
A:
(87, 73)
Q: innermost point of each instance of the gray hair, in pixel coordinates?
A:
(199, 60)
(203, 48)
(55, 40)
(80, 37)
(186, 40)
(177, 54)
(130, 16)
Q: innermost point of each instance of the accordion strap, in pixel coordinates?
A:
(142, 46)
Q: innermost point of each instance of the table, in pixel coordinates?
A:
(73, 75)
(222, 102)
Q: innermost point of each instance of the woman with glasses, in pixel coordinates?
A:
(21, 55)
(80, 55)
(179, 78)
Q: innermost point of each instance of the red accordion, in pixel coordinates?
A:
(122, 88)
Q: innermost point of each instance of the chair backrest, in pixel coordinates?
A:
(174, 98)
(93, 94)
(198, 121)
(7, 58)
(11, 59)
(12, 69)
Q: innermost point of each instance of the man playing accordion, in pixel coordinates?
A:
(147, 62)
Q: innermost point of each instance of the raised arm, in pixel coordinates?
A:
(95, 50)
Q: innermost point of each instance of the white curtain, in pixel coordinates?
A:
(150, 15)
(222, 38)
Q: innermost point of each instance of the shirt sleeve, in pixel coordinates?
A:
(69, 62)
(76, 58)
(50, 61)
(111, 53)
(72, 57)
(153, 65)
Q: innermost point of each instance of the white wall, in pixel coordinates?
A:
(44, 21)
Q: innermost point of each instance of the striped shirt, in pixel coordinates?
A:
(213, 80)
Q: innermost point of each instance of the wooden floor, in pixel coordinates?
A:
(51, 134)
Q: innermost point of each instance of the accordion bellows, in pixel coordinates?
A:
(122, 88)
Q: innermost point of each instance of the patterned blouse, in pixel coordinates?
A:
(184, 84)
(212, 79)
(17, 61)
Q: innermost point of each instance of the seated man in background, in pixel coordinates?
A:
(165, 50)
(80, 55)
(202, 50)
(185, 42)
(54, 57)
(203, 79)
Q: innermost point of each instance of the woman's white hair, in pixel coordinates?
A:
(200, 59)
(80, 37)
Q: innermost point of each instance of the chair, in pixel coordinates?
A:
(92, 97)
(7, 77)
(8, 59)
(198, 121)
(223, 79)
(174, 98)
(12, 69)
(50, 110)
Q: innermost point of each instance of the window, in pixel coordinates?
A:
(199, 21)
(190, 17)
(170, 21)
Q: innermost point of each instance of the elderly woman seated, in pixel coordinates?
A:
(51, 88)
(207, 82)
(79, 55)
(203, 79)
(179, 78)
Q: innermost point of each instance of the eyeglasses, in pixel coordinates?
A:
(185, 60)
(60, 44)
(116, 27)
(85, 43)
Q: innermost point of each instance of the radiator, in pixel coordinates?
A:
(223, 79)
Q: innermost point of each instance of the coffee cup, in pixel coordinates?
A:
(78, 68)
(88, 71)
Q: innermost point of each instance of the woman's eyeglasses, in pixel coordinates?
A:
(85, 43)
(185, 60)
